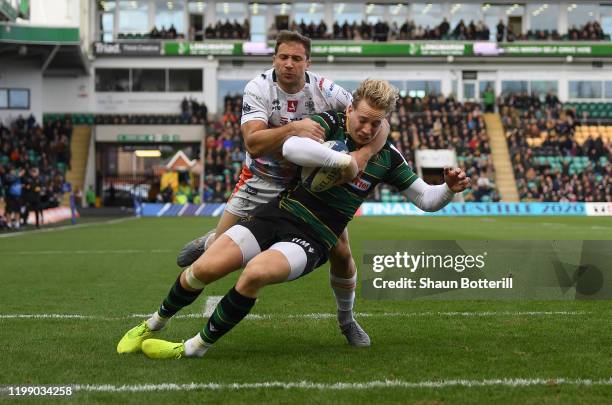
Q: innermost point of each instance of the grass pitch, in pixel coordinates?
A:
(432, 352)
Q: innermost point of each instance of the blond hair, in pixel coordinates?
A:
(379, 94)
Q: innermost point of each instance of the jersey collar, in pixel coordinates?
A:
(306, 76)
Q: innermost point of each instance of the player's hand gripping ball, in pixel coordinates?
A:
(319, 179)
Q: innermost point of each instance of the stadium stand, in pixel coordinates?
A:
(224, 152)
(228, 30)
(438, 122)
(383, 31)
(409, 30)
(155, 33)
(193, 112)
(590, 31)
(33, 155)
(433, 122)
(555, 158)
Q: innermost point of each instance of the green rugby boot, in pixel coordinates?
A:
(131, 342)
(161, 349)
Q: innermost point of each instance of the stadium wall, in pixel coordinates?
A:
(61, 13)
(22, 76)
(223, 76)
(151, 102)
(68, 94)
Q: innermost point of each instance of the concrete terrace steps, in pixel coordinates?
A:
(504, 174)
(79, 147)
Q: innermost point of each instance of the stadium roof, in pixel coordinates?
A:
(57, 50)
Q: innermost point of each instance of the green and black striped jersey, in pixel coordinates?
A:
(328, 212)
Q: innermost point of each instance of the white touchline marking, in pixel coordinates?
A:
(210, 305)
(314, 316)
(84, 252)
(66, 227)
(341, 386)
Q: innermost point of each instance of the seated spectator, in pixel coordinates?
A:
(431, 122)
(549, 164)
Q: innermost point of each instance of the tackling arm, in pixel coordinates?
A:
(309, 153)
(260, 140)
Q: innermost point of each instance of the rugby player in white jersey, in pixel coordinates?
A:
(273, 108)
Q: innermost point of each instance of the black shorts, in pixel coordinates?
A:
(13, 204)
(274, 228)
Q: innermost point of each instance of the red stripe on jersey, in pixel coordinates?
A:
(245, 174)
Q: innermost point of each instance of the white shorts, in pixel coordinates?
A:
(251, 192)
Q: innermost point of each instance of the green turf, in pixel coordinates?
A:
(114, 270)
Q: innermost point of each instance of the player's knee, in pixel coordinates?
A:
(192, 280)
(341, 253)
(209, 268)
(205, 267)
(255, 276)
(341, 261)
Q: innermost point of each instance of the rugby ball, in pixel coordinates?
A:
(319, 179)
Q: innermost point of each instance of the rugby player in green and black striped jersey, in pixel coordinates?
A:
(328, 212)
(289, 237)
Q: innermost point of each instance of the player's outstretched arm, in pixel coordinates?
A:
(260, 140)
(433, 198)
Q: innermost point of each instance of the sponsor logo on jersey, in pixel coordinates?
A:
(361, 184)
(310, 105)
(276, 104)
(255, 96)
(246, 107)
(321, 83)
(292, 105)
(250, 190)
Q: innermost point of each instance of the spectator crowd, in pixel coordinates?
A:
(557, 167)
(431, 122)
(33, 161)
(438, 122)
(591, 31)
(409, 30)
(381, 31)
(228, 30)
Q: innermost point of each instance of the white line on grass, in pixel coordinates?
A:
(211, 304)
(84, 252)
(314, 316)
(341, 386)
(66, 227)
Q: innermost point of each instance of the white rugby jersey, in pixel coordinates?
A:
(264, 100)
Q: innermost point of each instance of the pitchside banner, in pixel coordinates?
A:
(407, 209)
(487, 270)
(478, 209)
(345, 48)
